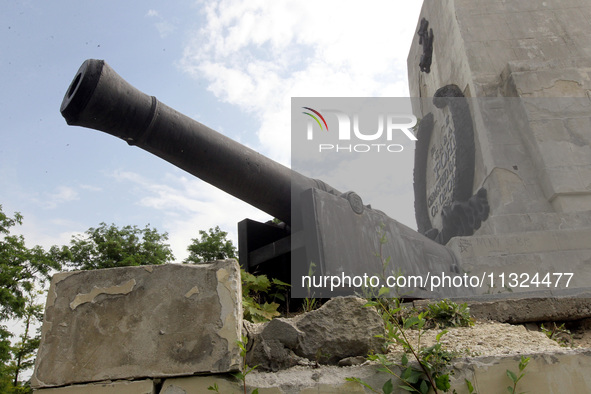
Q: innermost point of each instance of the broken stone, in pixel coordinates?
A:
(271, 344)
(350, 361)
(136, 322)
(341, 328)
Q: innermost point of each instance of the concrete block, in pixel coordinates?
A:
(560, 180)
(507, 308)
(553, 373)
(136, 322)
(200, 384)
(535, 222)
(572, 202)
(546, 373)
(123, 387)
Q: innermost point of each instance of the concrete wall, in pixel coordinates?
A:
(557, 373)
(533, 155)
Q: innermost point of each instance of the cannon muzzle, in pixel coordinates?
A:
(100, 99)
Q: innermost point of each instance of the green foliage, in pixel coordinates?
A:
(22, 269)
(447, 313)
(210, 246)
(310, 303)
(257, 291)
(431, 367)
(516, 378)
(470, 387)
(23, 352)
(6, 381)
(110, 246)
(560, 334)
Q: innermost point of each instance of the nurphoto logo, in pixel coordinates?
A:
(388, 127)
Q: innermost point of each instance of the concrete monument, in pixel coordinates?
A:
(515, 162)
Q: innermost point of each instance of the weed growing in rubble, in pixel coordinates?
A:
(432, 367)
(513, 376)
(447, 313)
(246, 369)
(558, 334)
(310, 303)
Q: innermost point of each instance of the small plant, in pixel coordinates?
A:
(310, 303)
(513, 376)
(256, 291)
(431, 369)
(558, 334)
(447, 313)
(246, 369)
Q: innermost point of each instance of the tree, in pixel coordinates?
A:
(22, 271)
(110, 246)
(24, 351)
(210, 246)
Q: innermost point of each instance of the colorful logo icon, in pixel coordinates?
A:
(315, 118)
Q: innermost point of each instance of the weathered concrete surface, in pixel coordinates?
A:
(527, 307)
(552, 373)
(524, 66)
(136, 322)
(566, 372)
(556, 373)
(340, 329)
(531, 60)
(122, 387)
(516, 310)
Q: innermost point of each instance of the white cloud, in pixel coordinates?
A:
(164, 26)
(258, 54)
(63, 194)
(91, 188)
(190, 205)
(45, 233)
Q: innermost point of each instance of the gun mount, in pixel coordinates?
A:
(331, 230)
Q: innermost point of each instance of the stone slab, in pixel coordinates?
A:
(549, 373)
(519, 243)
(124, 387)
(137, 322)
(535, 306)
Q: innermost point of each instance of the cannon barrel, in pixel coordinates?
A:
(100, 99)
